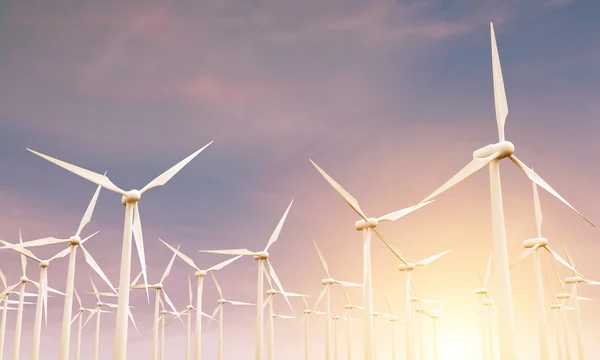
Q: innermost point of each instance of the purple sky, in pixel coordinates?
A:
(389, 97)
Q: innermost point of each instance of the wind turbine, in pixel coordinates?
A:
(159, 289)
(558, 320)
(407, 267)
(532, 246)
(80, 323)
(74, 242)
(434, 314)
(130, 200)
(366, 225)
(575, 281)
(4, 298)
(349, 307)
(188, 313)
(491, 155)
(42, 299)
(327, 293)
(271, 327)
(161, 319)
(393, 319)
(269, 302)
(261, 257)
(219, 310)
(199, 274)
(307, 312)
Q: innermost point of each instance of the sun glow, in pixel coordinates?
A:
(464, 345)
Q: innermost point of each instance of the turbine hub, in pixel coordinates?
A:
(262, 255)
(563, 296)
(481, 291)
(99, 304)
(158, 286)
(529, 243)
(328, 281)
(81, 309)
(404, 267)
(75, 240)
(574, 280)
(131, 197)
(164, 312)
(24, 279)
(271, 292)
(555, 306)
(308, 311)
(190, 307)
(200, 273)
(336, 318)
(44, 263)
(369, 223)
(348, 306)
(504, 148)
(221, 301)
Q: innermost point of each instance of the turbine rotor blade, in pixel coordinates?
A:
(92, 263)
(163, 178)
(139, 244)
(538, 180)
(323, 262)
(391, 247)
(487, 270)
(221, 265)
(87, 216)
(432, 258)
(393, 216)
(239, 252)
(84, 173)
(168, 269)
(277, 230)
(470, 169)
(561, 260)
(38, 242)
(340, 190)
(524, 255)
(499, 91)
(538, 210)
(217, 285)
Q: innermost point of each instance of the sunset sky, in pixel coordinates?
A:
(389, 97)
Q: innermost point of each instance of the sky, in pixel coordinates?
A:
(389, 97)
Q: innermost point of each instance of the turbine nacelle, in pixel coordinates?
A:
(44, 263)
(336, 318)
(200, 273)
(328, 281)
(99, 304)
(189, 307)
(81, 309)
(74, 240)
(350, 306)
(406, 267)
(504, 148)
(221, 301)
(24, 279)
(158, 286)
(563, 296)
(308, 311)
(131, 197)
(541, 242)
(481, 291)
(164, 312)
(261, 255)
(271, 292)
(574, 280)
(556, 306)
(369, 223)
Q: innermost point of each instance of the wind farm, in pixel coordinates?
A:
(497, 278)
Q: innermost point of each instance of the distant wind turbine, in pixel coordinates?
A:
(261, 257)
(366, 225)
(307, 312)
(199, 274)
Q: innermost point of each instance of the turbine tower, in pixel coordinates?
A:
(133, 223)
(491, 155)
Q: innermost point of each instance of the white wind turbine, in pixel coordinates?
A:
(80, 324)
(393, 319)
(199, 274)
(261, 257)
(271, 292)
(564, 299)
(434, 314)
(130, 199)
(559, 321)
(159, 289)
(219, 310)
(491, 155)
(42, 298)
(161, 319)
(349, 307)
(327, 293)
(96, 312)
(74, 242)
(8, 290)
(307, 312)
(366, 225)
(532, 246)
(575, 281)
(407, 267)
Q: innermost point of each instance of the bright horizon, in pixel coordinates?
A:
(389, 98)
